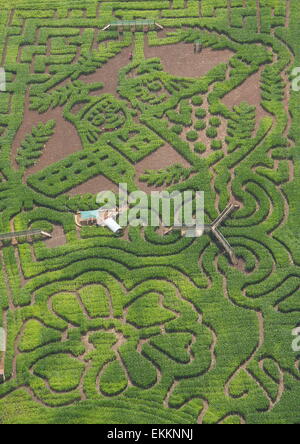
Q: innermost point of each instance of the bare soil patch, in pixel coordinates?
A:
(162, 158)
(94, 186)
(249, 92)
(58, 237)
(108, 73)
(64, 142)
(241, 265)
(180, 60)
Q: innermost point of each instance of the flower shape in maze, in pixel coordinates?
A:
(105, 340)
(105, 115)
(152, 92)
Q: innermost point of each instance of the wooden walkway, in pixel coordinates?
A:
(19, 234)
(225, 213)
(213, 228)
(133, 24)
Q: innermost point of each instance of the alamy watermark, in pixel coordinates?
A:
(2, 80)
(176, 209)
(2, 340)
(296, 341)
(296, 79)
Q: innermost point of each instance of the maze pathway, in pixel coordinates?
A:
(150, 328)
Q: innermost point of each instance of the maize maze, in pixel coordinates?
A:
(150, 329)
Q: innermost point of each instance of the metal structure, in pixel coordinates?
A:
(132, 24)
(212, 228)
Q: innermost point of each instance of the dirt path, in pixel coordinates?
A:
(243, 366)
(88, 365)
(120, 340)
(203, 411)
(258, 16)
(58, 237)
(20, 269)
(241, 418)
(169, 394)
(7, 283)
(281, 385)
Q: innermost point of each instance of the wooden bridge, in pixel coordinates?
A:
(132, 24)
(20, 234)
(213, 228)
